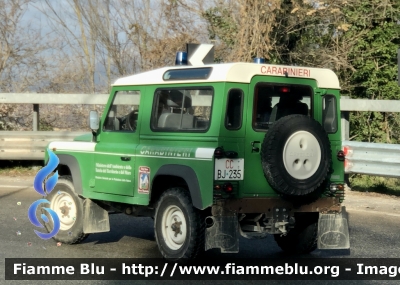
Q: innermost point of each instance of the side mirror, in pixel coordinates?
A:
(94, 120)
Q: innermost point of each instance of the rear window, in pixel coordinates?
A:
(274, 101)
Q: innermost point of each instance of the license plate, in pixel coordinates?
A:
(229, 169)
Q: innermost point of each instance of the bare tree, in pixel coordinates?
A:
(67, 20)
(21, 60)
(119, 37)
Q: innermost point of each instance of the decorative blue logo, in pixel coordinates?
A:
(49, 184)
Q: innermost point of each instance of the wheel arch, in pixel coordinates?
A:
(69, 165)
(183, 176)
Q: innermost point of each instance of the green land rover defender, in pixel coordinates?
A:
(211, 153)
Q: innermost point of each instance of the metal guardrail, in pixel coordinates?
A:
(53, 98)
(378, 159)
(23, 145)
(364, 158)
(346, 104)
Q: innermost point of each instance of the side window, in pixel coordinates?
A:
(182, 110)
(274, 101)
(329, 114)
(233, 118)
(123, 112)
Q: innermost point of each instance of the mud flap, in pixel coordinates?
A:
(333, 231)
(223, 233)
(95, 218)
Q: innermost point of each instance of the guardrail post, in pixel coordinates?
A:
(344, 120)
(35, 123)
(345, 115)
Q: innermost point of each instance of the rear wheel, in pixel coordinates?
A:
(179, 227)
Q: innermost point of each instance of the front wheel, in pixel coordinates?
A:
(179, 227)
(69, 208)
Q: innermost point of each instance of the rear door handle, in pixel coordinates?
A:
(125, 158)
(253, 147)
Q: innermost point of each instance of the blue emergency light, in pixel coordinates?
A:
(259, 60)
(181, 58)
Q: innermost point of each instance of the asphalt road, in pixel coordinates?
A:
(374, 233)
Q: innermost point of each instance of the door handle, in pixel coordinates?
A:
(125, 158)
(255, 148)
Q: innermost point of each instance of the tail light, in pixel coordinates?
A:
(219, 152)
(228, 187)
(341, 155)
(335, 187)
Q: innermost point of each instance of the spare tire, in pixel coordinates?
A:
(296, 156)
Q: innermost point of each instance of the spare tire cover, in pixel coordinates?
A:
(296, 156)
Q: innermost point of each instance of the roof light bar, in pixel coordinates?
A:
(259, 60)
(181, 58)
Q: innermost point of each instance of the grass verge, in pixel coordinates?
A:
(20, 168)
(383, 185)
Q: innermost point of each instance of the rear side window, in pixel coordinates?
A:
(233, 119)
(329, 114)
(182, 110)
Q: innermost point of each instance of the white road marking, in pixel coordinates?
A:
(14, 186)
(372, 212)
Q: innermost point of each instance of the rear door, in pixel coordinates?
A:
(265, 92)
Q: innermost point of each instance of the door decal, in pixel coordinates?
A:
(144, 179)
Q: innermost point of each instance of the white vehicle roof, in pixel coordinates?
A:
(235, 72)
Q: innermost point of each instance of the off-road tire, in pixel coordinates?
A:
(71, 222)
(301, 239)
(175, 206)
(296, 156)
